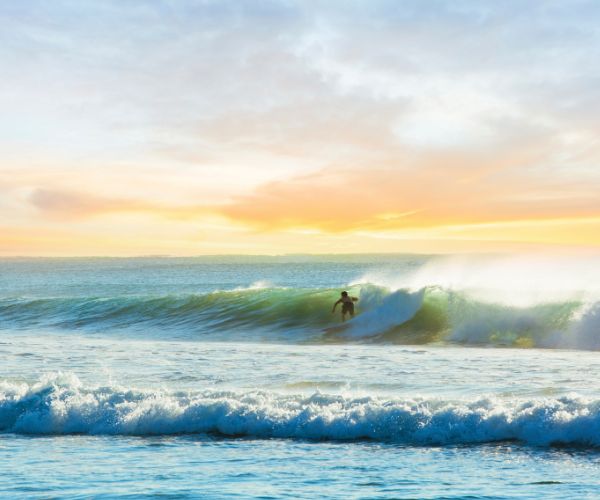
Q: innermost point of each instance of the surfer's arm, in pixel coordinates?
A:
(335, 305)
(354, 299)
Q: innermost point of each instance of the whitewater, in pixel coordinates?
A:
(224, 377)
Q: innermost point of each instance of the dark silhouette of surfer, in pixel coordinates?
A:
(347, 305)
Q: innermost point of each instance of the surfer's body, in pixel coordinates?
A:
(347, 305)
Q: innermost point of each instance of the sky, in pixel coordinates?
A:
(265, 127)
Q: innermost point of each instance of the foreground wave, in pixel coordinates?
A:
(60, 404)
(423, 316)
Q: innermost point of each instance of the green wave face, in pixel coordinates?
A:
(456, 317)
(269, 308)
(299, 315)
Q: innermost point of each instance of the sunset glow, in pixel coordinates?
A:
(194, 128)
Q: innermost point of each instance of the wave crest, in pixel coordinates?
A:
(60, 404)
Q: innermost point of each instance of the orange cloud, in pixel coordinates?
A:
(71, 204)
(409, 192)
(433, 191)
(61, 204)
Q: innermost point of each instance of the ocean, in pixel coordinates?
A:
(229, 377)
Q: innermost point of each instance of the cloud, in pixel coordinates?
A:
(64, 205)
(71, 204)
(415, 192)
(404, 191)
(147, 76)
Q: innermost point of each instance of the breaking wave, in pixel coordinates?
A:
(60, 404)
(431, 314)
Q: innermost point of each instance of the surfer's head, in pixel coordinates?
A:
(344, 294)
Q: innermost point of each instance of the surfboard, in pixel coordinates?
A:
(332, 330)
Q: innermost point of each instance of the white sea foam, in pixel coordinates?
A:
(60, 404)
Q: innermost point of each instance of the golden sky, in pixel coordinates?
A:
(187, 128)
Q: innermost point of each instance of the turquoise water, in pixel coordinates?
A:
(230, 377)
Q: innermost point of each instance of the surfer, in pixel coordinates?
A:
(347, 305)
